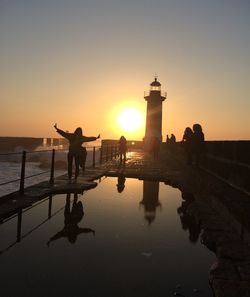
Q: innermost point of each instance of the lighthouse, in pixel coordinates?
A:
(154, 99)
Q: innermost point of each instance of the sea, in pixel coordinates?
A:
(38, 160)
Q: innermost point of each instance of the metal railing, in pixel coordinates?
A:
(106, 153)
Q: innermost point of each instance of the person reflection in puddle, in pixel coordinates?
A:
(188, 221)
(120, 183)
(71, 219)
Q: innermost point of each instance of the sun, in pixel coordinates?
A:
(130, 119)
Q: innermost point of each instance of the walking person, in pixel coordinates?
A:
(198, 143)
(76, 140)
(122, 149)
(187, 141)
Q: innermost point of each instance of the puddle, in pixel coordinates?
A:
(124, 238)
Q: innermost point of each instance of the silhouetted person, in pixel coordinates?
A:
(83, 157)
(198, 143)
(167, 139)
(120, 183)
(187, 141)
(122, 148)
(172, 139)
(71, 220)
(76, 151)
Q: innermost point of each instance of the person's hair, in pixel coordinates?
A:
(188, 130)
(78, 131)
(197, 128)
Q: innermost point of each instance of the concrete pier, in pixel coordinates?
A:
(221, 210)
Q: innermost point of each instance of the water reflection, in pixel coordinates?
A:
(188, 221)
(120, 183)
(150, 200)
(72, 218)
(145, 264)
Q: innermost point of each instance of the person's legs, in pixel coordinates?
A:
(83, 158)
(77, 164)
(70, 161)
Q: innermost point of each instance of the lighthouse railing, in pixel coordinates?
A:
(162, 93)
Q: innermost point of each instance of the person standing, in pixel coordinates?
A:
(187, 141)
(122, 149)
(76, 140)
(198, 143)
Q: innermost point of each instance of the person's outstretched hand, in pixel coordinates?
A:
(55, 126)
(98, 136)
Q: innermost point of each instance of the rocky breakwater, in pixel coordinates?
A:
(230, 274)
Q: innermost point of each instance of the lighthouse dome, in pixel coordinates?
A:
(155, 83)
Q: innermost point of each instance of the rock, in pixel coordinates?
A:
(230, 288)
(234, 251)
(223, 269)
(213, 239)
(244, 271)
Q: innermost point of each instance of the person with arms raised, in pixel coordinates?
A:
(76, 151)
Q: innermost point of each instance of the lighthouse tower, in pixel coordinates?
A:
(154, 99)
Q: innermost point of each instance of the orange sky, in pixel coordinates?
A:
(76, 64)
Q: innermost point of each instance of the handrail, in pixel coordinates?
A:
(44, 151)
(107, 152)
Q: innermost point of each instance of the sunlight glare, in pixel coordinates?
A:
(130, 119)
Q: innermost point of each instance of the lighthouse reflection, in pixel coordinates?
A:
(150, 200)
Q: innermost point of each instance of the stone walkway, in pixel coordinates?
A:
(221, 211)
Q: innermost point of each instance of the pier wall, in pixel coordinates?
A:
(228, 160)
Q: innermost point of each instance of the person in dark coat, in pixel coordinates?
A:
(76, 151)
(187, 141)
(198, 142)
(122, 148)
(172, 139)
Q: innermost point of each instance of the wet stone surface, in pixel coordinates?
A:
(230, 275)
(231, 288)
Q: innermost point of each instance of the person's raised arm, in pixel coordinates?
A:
(91, 138)
(61, 132)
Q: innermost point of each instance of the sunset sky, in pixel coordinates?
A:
(82, 62)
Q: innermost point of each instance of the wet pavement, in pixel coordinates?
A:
(222, 211)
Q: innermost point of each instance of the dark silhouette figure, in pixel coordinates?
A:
(120, 183)
(83, 157)
(172, 139)
(122, 149)
(188, 221)
(71, 220)
(187, 141)
(76, 151)
(198, 143)
(167, 139)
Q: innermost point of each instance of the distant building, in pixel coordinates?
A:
(154, 99)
